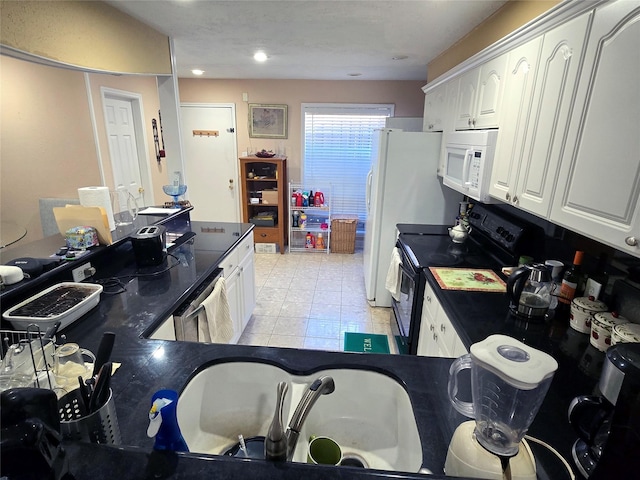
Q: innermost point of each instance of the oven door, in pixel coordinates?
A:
(404, 308)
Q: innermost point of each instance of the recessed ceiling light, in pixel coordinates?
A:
(354, 74)
(399, 57)
(260, 57)
(197, 71)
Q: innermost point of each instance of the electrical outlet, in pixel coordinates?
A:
(80, 273)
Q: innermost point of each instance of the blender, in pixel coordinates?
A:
(509, 381)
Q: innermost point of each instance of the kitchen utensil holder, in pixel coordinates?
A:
(100, 426)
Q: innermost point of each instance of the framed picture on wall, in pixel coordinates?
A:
(267, 121)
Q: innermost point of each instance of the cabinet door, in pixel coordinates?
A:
(248, 287)
(518, 88)
(427, 341)
(466, 100)
(448, 119)
(560, 61)
(598, 190)
(434, 108)
(490, 87)
(233, 296)
(480, 95)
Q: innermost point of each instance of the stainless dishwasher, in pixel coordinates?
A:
(185, 318)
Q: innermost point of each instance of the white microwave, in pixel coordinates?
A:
(468, 162)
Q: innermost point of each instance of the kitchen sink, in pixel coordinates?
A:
(369, 414)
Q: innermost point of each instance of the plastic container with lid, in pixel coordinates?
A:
(601, 328)
(626, 333)
(582, 311)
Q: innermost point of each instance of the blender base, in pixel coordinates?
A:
(467, 458)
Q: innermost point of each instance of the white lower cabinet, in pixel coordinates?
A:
(438, 337)
(239, 274)
(598, 189)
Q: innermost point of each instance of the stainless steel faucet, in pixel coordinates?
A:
(273, 444)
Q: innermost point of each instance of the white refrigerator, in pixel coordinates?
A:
(402, 187)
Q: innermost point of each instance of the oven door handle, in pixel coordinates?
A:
(409, 273)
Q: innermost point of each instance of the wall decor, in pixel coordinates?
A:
(267, 121)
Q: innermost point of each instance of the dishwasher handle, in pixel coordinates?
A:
(185, 318)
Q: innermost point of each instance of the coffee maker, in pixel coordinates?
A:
(608, 423)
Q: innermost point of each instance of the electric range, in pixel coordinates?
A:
(495, 239)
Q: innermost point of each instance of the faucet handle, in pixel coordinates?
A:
(275, 443)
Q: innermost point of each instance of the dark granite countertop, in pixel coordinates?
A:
(476, 315)
(151, 294)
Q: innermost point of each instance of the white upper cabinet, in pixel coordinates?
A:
(434, 109)
(519, 79)
(541, 81)
(598, 188)
(479, 95)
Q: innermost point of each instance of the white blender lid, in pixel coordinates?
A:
(513, 361)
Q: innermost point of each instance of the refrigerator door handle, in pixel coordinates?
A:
(368, 191)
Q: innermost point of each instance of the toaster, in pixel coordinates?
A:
(149, 245)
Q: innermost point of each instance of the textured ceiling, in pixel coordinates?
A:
(321, 39)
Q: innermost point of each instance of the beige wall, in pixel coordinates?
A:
(89, 34)
(508, 18)
(45, 131)
(47, 146)
(407, 97)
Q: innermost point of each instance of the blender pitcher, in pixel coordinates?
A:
(508, 383)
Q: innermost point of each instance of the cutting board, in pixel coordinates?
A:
(77, 215)
(468, 279)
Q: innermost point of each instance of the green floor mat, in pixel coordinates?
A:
(365, 343)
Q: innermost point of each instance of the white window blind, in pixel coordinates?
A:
(337, 145)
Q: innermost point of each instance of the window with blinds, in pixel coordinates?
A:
(336, 151)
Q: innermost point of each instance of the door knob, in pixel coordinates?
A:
(631, 241)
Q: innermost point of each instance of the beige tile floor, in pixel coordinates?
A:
(308, 300)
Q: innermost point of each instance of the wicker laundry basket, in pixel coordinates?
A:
(343, 233)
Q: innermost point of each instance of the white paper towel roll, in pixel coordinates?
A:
(98, 197)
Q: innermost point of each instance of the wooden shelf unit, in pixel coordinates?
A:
(265, 174)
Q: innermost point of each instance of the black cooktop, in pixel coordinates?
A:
(438, 250)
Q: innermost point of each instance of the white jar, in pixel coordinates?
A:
(601, 328)
(582, 311)
(625, 333)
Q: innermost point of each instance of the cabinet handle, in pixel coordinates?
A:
(469, 122)
(442, 327)
(508, 196)
(263, 235)
(435, 337)
(431, 327)
(231, 184)
(473, 122)
(515, 199)
(631, 241)
(429, 298)
(431, 126)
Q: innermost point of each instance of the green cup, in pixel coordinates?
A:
(324, 451)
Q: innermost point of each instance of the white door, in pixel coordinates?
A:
(211, 162)
(123, 144)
